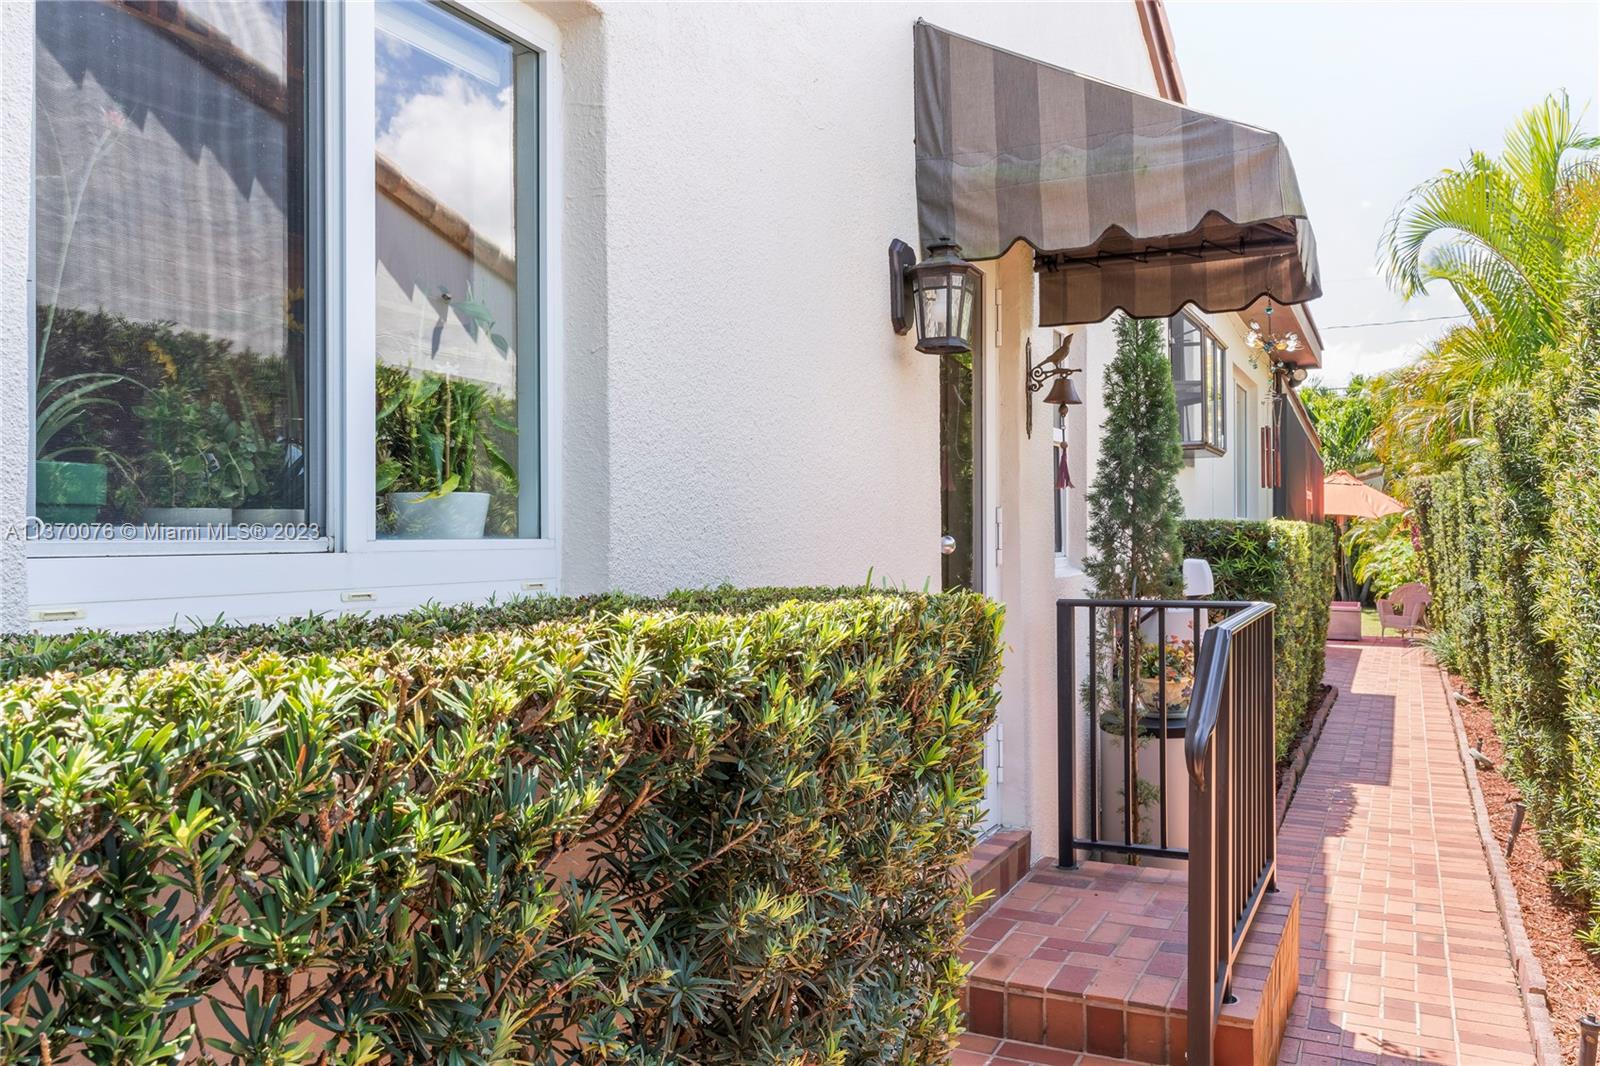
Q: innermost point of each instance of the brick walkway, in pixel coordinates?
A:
(1403, 957)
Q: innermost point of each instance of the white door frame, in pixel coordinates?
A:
(986, 568)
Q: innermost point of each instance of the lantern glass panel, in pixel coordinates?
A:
(938, 307)
(968, 287)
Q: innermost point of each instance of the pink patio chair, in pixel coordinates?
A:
(1402, 608)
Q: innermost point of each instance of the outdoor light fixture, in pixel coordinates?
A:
(941, 292)
(1267, 342)
(1286, 374)
(1063, 393)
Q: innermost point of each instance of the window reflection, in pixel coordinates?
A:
(447, 275)
(171, 185)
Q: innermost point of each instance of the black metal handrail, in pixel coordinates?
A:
(1230, 750)
(1111, 628)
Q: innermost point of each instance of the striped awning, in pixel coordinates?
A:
(1128, 201)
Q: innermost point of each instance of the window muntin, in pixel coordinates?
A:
(172, 210)
(457, 425)
(1199, 379)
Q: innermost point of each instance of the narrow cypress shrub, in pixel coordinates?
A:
(1134, 507)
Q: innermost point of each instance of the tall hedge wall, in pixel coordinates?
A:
(1511, 540)
(1291, 565)
(612, 835)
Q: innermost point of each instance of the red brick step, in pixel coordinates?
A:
(1089, 965)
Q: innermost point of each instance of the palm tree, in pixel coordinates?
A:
(1502, 233)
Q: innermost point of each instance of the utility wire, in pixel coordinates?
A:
(1393, 322)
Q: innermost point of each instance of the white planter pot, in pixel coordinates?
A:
(456, 516)
(269, 516)
(187, 516)
(1147, 768)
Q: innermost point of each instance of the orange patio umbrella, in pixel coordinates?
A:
(1346, 496)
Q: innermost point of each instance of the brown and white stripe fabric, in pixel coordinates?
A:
(1131, 202)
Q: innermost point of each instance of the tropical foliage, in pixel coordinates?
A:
(434, 430)
(1382, 553)
(1502, 233)
(623, 836)
(1345, 422)
(179, 417)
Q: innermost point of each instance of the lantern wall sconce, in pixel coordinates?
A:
(1050, 371)
(1285, 375)
(938, 295)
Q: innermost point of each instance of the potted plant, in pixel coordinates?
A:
(1177, 666)
(280, 484)
(199, 460)
(68, 490)
(1158, 739)
(431, 431)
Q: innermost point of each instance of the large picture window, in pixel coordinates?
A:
(297, 337)
(172, 198)
(1199, 378)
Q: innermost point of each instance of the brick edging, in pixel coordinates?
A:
(1302, 753)
(1530, 975)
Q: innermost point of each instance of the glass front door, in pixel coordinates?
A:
(960, 384)
(967, 453)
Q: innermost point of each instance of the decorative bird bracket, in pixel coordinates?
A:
(1050, 371)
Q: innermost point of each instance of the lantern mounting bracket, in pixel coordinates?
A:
(902, 257)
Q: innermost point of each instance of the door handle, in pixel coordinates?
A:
(947, 545)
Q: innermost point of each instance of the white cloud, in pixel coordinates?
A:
(1341, 359)
(455, 141)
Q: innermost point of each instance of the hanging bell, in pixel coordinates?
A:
(1063, 393)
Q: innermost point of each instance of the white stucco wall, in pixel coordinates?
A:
(16, 305)
(762, 423)
(738, 407)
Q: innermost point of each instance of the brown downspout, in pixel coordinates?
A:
(1158, 42)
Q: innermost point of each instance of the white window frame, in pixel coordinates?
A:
(1214, 370)
(1061, 529)
(1245, 448)
(128, 585)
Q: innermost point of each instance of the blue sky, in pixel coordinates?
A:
(1371, 99)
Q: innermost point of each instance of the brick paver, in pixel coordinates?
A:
(1403, 955)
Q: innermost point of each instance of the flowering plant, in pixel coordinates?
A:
(1177, 665)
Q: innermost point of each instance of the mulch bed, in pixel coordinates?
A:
(1306, 722)
(1551, 918)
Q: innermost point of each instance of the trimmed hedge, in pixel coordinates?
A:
(94, 649)
(1290, 564)
(1511, 539)
(1482, 525)
(542, 832)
